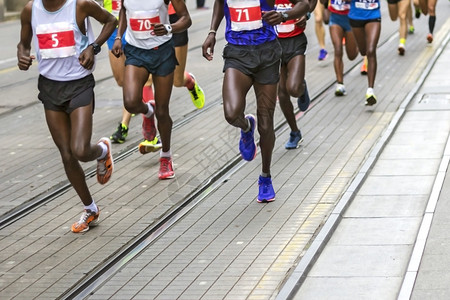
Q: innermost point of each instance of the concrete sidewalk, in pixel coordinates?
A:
(392, 242)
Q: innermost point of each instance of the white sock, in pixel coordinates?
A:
(91, 207)
(165, 154)
(150, 110)
(369, 91)
(104, 150)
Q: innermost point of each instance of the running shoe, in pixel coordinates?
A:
(371, 99)
(430, 38)
(148, 124)
(150, 146)
(266, 192)
(411, 29)
(418, 12)
(88, 218)
(323, 54)
(197, 94)
(120, 134)
(295, 138)
(401, 49)
(340, 90)
(364, 67)
(303, 101)
(166, 168)
(247, 145)
(105, 166)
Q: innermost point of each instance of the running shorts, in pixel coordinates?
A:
(341, 21)
(261, 62)
(362, 23)
(159, 61)
(181, 38)
(66, 96)
(292, 47)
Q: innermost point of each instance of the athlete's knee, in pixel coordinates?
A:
(81, 152)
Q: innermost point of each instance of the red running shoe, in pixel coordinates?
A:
(166, 168)
(148, 125)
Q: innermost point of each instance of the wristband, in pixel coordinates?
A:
(118, 38)
(212, 31)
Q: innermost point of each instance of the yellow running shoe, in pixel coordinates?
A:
(197, 94)
(150, 146)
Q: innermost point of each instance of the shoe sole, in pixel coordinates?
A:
(145, 149)
(401, 51)
(339, 94)
(108, 143)
(168, 177)
(254, 143)
(265, 201)
(371, 101)
(298, 145)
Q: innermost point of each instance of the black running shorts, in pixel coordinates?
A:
(66, 95)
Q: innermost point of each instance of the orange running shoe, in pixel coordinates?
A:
(148, 124)
(88, 218)
(166, 168)
(364, 67)
(105, 166)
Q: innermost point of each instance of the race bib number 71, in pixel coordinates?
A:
(245, 14)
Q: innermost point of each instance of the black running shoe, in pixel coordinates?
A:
(120, 135)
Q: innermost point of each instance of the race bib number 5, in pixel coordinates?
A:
(245, 14)
(56, 40)
(142, 23)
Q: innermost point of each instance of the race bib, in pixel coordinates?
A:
(286, 27)
(116, 6)
(340, 5)
(245, 14)
(367, 4)
(142, 23)
(56, 40)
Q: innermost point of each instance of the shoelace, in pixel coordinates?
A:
(194, 93)
(101, 168)
(83, 218)
(165, 165)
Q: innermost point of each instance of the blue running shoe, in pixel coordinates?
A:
(323, 54)
(304, 100)
(266, 192)
(247, 145)
(294, 140)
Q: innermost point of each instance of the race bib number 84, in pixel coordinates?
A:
(245, 14)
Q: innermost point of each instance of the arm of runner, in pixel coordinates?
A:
(117, 47)
(210, 41)
(90, 8)
(24, 59)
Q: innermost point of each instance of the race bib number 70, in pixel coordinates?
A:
(142, 23)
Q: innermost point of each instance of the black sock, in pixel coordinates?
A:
(431, 23)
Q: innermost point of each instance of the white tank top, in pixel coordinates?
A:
(141, 15)
(58, 41)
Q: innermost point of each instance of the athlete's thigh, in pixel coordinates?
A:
(117, 68)
(135, 79)
(81, 126)
(58, 123)
(235, 88)
(372, 30)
